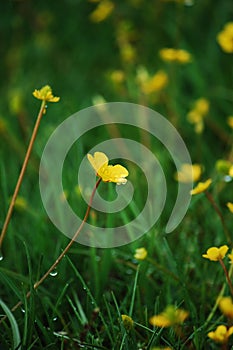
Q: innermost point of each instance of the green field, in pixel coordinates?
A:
(174, 57)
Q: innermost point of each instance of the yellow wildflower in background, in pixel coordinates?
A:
(201, 187)
(188, 173)
(230, 206)
(216, 254)
(175, 55)
(230, 121)
(197, 114)
(117, 76)
(127, 322)
(140, 254)
(155, 83)
(225, 38)
(171, 316)
(223, 166)
(231, 171)
(102, 11)
(21, 203)
(226, 306)
(108, 173)
(221, 334)
(45, 94)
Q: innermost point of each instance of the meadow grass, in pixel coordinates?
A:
(81, 303)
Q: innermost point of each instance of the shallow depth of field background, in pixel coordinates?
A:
(88, 59)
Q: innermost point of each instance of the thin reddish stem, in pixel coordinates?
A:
(22, 172)
(227, 276)
(54, 265)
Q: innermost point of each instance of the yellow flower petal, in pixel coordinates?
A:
(108, 173)
(140, 254)
(226, 306)
(215, 254)
(201, 187)
(45, 94)
(169, 317)
(230, 206)
(188, 173)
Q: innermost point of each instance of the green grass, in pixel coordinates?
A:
(80, 307)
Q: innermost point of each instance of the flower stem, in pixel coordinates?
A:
(227, 276)
(216, 208)
(57, 261)
(22, 172)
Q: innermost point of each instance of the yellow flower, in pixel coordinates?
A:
(127, 322)
(202, 106)
(141, 254)
(175, 55)
(45, 94)
(102, 11)
(215, 254)
(188, 173)
(21, 203)
(225, 38)
(155, 83)
(230, 206)
(231, 171)
(201, 187)
(230, 256)
(226, 306)
(169, 317)
(108, 173)
(230, 121)
(221, 334)
(196, 115)
(117, 76)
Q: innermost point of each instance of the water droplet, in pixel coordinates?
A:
(54, 319)
(53, 273)
(85, 288)
(23, 311)
(1, 255)
(227, 178)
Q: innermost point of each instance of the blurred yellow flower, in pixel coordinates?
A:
(155, 83)
(225, 38)
(226, 306)
(127, 322)
(230, 206)
(171, 316)
(231, 171)
(45, 94)
(117, 76)
(230, 256)
(127, 52)
(215, 254)
(201, 187)
(196, 115)
(175, 55)
(102, 11)
(108, 173)
(221, 334)
(230, 121)
(140, 254)
(188, 173)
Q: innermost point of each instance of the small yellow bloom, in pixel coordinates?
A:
(169, 317)
(231, 171)
(21, 203)
(230, 206)
(155, 83)
(230, 256)
(230, 121)
(102, 11)
(175, 55)
(188, 173)
(127, 322)
(221, 334)
(202, 106)
(201, 187)
(215, 254)
(141, 254)
(108, 173)
(45, 94)
(225, 38)
(197, 114)
(117, 76)
(226, 306)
